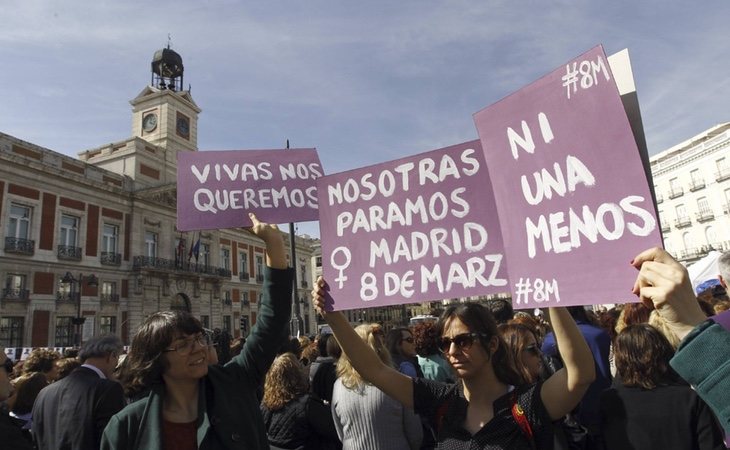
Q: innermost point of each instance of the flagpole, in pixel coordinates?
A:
(296, 324)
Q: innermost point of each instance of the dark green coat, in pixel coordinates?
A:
(228, 409)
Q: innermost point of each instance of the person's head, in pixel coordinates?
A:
(721, 306)
(102, 352)
(322, 344)
(309, 355)
(372, 334)
(400, 342)
(642, 357)
(304, 341)
(607, 321)
(579, 314)
(333, 347)
(660, 323)
(524, 350)
(168, 344)
(632, 314)
(723, 265)
(285, 381)
(42, 360)
(501, 309)
(427, 338)
(65, 366)
(471, 343)
(6, 368)
(27, 387)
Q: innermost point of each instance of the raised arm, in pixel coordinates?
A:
(565, 388)
(363, 358)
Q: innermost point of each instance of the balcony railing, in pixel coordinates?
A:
(67, 297)
(722, 174)
(69, 253)
(682, 222)
(259, 278)
(19, 245)
(676, 192)
(696, 185)
(168, 265)
(15, 294)
(243, 276)
(227, 301)
(305, 284)
(659, 199)
(665, 227)
(113, 298)
(245, 302)
(111, 259)
(705, 215)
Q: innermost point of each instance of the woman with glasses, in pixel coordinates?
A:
(402, 348)
(487, 408)
(365, 417)
(192, 404)
(524, 350)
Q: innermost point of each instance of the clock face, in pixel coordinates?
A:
(149, 122)
(183, 126)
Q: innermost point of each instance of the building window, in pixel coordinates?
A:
(64, 332)
(69, 231)
(107, 325)
(205, 254)
(11, 332)
(109, 291)
(227, 323)
(244, 299)
(305, 281)
(703, 206)
(226, 258)
(711, 235)
(110, 238)
(681, 212)
(259, 268)
(205, 321)
(19, 222)
(150, 241)
(15, 287)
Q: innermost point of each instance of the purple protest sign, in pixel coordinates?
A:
(215, 189)
(572, 196)
(415, 229)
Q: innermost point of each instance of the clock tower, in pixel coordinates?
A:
(165, 114)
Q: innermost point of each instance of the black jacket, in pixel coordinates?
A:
(302, 424)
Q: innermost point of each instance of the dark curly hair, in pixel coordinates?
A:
(642, 356)
(144, 363)
(479, 319)
(41, 360)
(427, 338)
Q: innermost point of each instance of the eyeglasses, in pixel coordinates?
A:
(8, 366)
(534, 349)
(188, 344)
(462, 341)
(407, 339)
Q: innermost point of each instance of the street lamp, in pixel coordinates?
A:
(78, 321)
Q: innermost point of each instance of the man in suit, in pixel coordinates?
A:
(73, 412)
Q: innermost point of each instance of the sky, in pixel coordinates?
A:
(363, 82)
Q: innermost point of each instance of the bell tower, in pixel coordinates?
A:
(164, 113)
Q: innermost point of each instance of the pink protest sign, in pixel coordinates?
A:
(415, 229)
(216, 189)
(572, 196)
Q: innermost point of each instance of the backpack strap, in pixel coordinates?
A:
(519, 415)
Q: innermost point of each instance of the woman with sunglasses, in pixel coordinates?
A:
(402, 348)
(194, 405)
(487, 408)
(524, 350)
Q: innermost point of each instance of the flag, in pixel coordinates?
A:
(195, 249)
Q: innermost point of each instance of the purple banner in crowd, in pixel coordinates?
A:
(217, 189)
(572, 196)
(415, 229)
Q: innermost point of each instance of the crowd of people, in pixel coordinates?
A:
(648, 375)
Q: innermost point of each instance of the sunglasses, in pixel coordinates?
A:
(462, 341)
(534, 349)
(8, 366)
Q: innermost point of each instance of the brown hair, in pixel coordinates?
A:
(642, 357)
(41, 360)
(66, 366)
(285, 381)
(516, 336)
(144, 363)
(479, 319)
(27, 387)
(633, 313)
(427, 338)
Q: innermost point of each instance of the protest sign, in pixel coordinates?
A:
(573, 200)
(416, 229)
(216, 189)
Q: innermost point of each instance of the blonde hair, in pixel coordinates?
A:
(658, 322)
(285, 382)
(372, 334)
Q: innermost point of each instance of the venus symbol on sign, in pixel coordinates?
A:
(341, 278)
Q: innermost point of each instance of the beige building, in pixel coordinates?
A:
(692, 185)
(91, 246)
